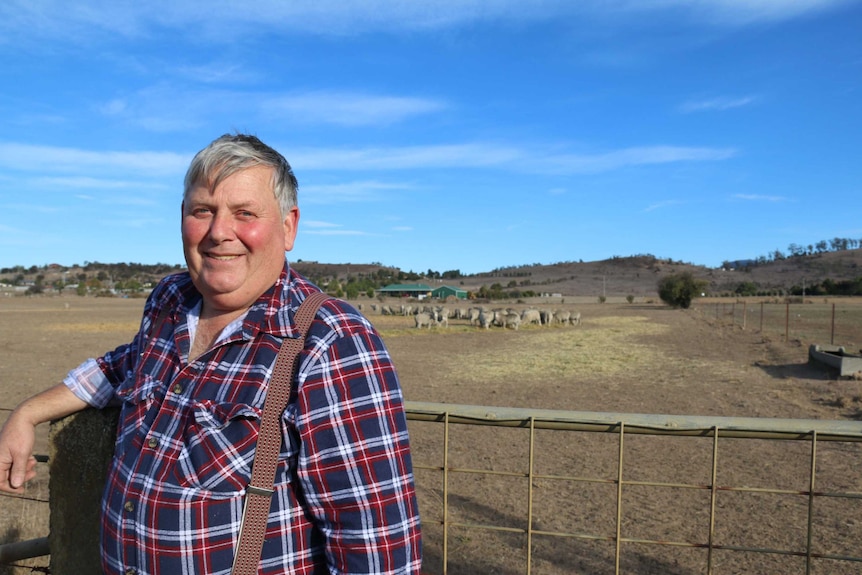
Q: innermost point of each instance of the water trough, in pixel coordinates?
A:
(836, 357)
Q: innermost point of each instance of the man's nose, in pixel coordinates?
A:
(221, 227)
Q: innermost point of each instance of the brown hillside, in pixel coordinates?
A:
(639, 275)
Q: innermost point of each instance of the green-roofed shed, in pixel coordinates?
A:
(444, 292)
(406, 290)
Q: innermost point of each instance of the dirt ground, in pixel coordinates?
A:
(629, 358)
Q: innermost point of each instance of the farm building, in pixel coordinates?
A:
(444, 292)
(406, 290)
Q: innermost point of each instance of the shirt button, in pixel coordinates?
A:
(152, 442)
(129, 506)
(178, 389)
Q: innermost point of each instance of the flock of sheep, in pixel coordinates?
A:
(439, 316)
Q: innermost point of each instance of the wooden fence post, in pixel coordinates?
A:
(832, 330)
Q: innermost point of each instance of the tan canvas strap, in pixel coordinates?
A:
(259, 492)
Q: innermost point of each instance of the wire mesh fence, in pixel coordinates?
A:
(537, 491)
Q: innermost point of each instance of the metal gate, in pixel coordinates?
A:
(812, 544)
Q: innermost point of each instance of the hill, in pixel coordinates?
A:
(639, 275)
(618, 276)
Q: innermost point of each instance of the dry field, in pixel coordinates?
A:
(633, 358)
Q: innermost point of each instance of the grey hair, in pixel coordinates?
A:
(231, 153)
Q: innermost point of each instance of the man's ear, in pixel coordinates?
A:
(291, 222)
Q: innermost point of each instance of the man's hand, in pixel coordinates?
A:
(18, 436)
(17, 464)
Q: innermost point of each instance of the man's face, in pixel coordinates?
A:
(234, 238)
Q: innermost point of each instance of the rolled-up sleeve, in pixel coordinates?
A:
(89, 384)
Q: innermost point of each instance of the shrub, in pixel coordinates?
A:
(678, 290)
(746, 289)
(630, 298)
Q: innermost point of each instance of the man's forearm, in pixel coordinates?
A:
(53, 403)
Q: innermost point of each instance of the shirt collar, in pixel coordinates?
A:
(273, 311)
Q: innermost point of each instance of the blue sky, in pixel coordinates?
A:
(444, 134)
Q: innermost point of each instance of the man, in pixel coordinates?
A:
(191, 386)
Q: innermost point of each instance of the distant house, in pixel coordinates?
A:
(419, 291)
(444, 292)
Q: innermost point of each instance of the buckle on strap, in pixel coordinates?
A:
(252, 490)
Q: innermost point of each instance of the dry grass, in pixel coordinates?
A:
(93, 327)
(552, 354)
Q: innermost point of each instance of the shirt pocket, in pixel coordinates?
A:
(140, 395)
(218, 446)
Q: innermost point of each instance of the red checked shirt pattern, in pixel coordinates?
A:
(344, 498)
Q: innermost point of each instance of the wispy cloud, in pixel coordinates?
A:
(632, 157)
(52, 159)
(163, 108)
(744, 12)
(348, 109)
(359, 191)
(716, 104)
(760, 198)
(319, 225)
(212, 73)
(88, 21)
(132, 223)
(321, 228)
(94, 169)
(33, 208)
(528, 160)
(83, 182)
(660, 205)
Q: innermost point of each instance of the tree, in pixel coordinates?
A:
(352, 291)
(678, 290)
(746, 289)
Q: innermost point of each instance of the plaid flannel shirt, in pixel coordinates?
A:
(344, 498)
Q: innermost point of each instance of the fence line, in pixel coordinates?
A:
(826, 322)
